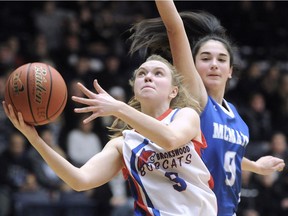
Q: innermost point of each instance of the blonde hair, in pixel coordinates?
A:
(182, 99)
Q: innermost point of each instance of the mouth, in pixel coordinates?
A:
(214, 76)
(149, 87)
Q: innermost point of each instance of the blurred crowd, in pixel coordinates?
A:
(87, 40)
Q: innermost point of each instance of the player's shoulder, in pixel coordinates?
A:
(187, 111)
(116, 142)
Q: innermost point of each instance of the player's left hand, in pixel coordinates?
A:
(269, 164)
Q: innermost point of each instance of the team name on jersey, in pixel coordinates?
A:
(149, 160)
(173, 153)
(228, 134)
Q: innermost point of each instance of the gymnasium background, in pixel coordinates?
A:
(85, 40)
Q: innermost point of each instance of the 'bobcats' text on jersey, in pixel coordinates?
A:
(167, 183)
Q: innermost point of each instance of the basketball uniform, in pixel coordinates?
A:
(167, 183)
(227, 136)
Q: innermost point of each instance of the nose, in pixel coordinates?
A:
(214, 64)
(148, 77)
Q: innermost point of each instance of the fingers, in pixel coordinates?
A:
(21, 119)
(278, 164)
(90, 118)
(85, 109)
(89, 93)
(93, 116)
(11, 113)
(98, 88)
(81, 100)
(280, 167)
(85, 91)
(278, 161)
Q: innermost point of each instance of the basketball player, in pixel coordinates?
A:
(226, 133)
(160, 155)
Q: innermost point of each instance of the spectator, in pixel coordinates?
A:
(16, 169)
(280, 105)
(5, 126)
(249, 195)
(259, 122)
(67, 59)
(113, 68)
(275, 185)
(248, 83)
(50, 21)
(269, 83)
(46, 177)
(82, 143)
(267, 189)
(121, 201)
(278, 146)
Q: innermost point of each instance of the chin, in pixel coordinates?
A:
(214, 83)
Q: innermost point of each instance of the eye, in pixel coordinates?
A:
(205, 58)
(140, 73)
(222, 60)
(158, 73)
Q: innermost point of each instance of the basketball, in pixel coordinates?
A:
(38, 91)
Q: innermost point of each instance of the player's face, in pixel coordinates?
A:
(153, 80)
(213, 64)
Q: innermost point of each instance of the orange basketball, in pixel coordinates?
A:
(38, 91)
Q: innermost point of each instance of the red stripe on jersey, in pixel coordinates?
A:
(201, 145)
(139, 199)
(166, 113)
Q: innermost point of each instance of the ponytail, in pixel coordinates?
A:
(150, 35)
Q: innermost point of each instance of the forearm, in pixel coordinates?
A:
(65, 170)
(265, 165)
(148, 126)
(249, 165)
(181, 51)
(169, 15)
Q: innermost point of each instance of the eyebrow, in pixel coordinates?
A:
(143, 68)
(208, 53)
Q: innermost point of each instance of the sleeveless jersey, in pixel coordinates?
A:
(227, 136)
(167, 183)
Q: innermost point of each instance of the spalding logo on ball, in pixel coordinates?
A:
(38, 91)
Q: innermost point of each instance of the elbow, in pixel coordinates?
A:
(80, 186)
(77, 187)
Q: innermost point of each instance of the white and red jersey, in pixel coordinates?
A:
(164, 182)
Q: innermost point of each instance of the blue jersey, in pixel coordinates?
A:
(227, 136)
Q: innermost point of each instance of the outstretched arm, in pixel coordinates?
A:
(265, 165)
(181, 51)
(184, 127)
(98, 170)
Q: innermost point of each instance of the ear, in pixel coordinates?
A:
(230, 72)
(174, 92)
